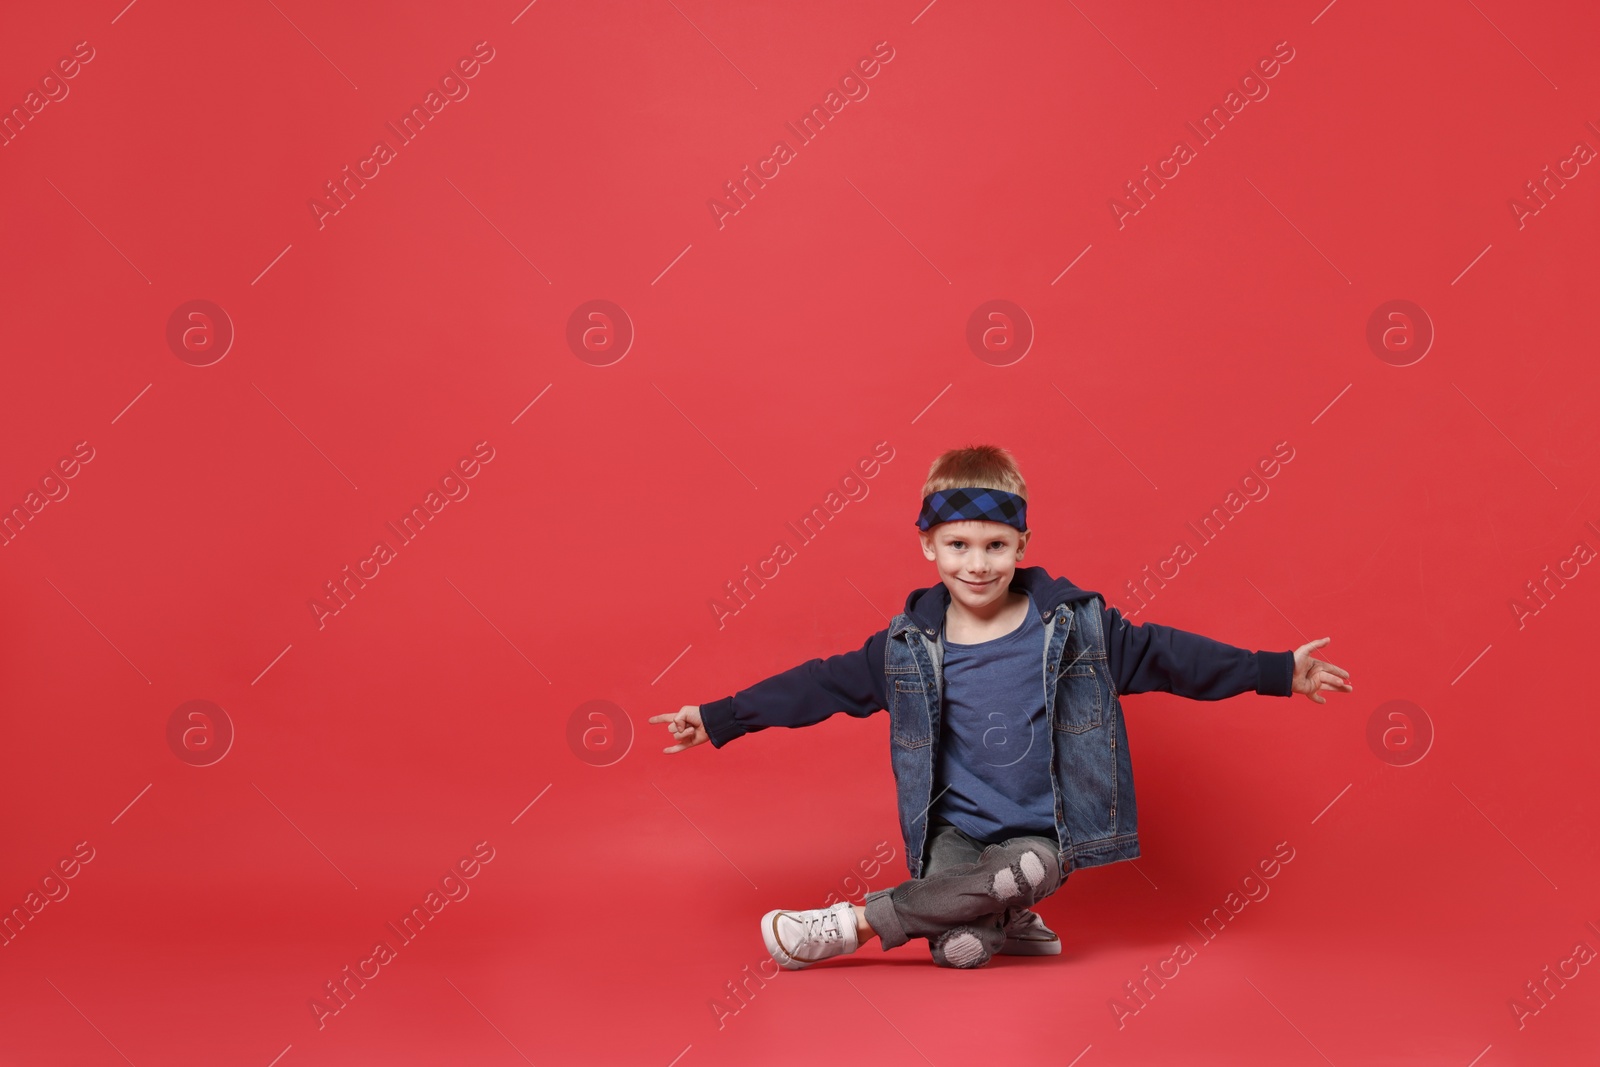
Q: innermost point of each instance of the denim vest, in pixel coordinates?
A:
(1090, 769)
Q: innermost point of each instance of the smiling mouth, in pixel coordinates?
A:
(977, 585)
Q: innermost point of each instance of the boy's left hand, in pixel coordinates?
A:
(1312, 675)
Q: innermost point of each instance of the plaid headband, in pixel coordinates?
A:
(973, 502)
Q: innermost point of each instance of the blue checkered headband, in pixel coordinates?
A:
(973, 502)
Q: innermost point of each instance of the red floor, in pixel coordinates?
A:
(612, 388)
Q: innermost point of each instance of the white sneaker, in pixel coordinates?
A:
(798, 939)
(1027, 935)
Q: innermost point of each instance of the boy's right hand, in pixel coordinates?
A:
(685, 726)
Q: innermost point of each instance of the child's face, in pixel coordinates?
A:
(976, 558)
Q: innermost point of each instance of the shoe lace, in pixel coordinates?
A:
(824, 927)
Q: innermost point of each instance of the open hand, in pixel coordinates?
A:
(685, 726)
(1312, 675)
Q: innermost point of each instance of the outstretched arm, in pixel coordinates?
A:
(1154, 658)
(851, 682)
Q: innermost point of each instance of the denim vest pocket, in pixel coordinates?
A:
(908, 711)
(1077, 699)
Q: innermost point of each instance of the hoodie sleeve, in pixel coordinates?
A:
(851, 682)
(1154, 658)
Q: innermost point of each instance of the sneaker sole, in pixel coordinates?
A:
(774, 949)
(1031, 948)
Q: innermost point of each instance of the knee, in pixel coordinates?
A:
(962, 948)
(1041, 869)
(1029, 875)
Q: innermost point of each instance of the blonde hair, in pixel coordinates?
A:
(983, 466)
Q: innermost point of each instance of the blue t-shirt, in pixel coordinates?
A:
(994, 753)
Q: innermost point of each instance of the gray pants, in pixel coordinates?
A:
(967, 894)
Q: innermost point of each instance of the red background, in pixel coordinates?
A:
(771, 354)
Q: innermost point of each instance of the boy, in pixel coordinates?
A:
(1005, 785)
